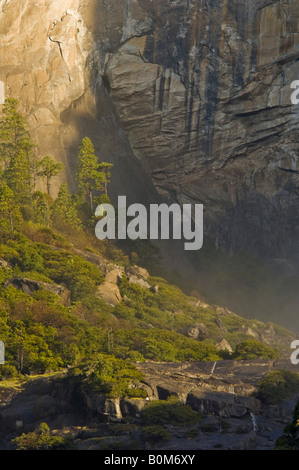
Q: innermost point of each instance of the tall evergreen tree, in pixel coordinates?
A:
(17, 177)
(105, 169)
(31, 151)
(89, 176)
(14, 133)
(41, 207)
(63, 212)
(10, 217)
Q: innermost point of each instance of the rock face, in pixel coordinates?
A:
(228, 420)
(29, 286)
(202, 89)
(192, 96)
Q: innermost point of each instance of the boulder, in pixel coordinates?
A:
(137, 271)
(103, 405)
(220, 324)
(248, 331)
(132, 407)
(4, 264)
(138, 275)
(110, 293)
(114, 275)
(29, 286)
(224, 345)
(198, 331)
(154, 289)
(104, 265)
(225, 405)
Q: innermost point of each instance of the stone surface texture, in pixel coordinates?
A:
(189, 98)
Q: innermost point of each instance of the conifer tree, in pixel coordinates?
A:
(14, 133)
(63, 212)
(17, 177)
(31, 150)
(89, 176)
(105, 168)
(10, 217)
(41, 207)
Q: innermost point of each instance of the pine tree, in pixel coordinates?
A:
(63, 212)
(14, 133)
(105, 169)
(41, 207)
(48, 168)
(10, 217)
(30, 150)
(89, 176)
(17, 177)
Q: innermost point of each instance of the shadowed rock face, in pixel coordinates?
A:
(193, 97)
(221, 393)
(202, 90)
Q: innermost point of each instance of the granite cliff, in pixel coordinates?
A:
(189, 99)
(199, 92)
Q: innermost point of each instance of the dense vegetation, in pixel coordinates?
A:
(38, 234)
(158, 414)
(42, 439)
(278, 385)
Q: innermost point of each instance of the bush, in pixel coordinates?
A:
(252, 349)
(136, 393)
(277, 386)
(155, 433)
(8, 371)
(42, 439)
(169, 411)
(114, 377)
(79, 275)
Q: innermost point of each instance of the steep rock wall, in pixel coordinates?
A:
(192, 96)
(204, 96)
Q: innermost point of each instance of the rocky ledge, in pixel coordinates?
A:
(222, 394)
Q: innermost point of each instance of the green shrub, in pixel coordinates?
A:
(155, 434)
(43, 439)
(192, 433)
(166, 346)
(278, 385)
(136, 393)
(114, 377)
(8, 371)
(252, 349)
(169, 411)
(30, 259)
(79, 275)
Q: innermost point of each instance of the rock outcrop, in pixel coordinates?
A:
(109, 290)
(228, 420)
(29, 286)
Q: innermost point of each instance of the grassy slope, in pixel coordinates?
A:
(145, 326)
